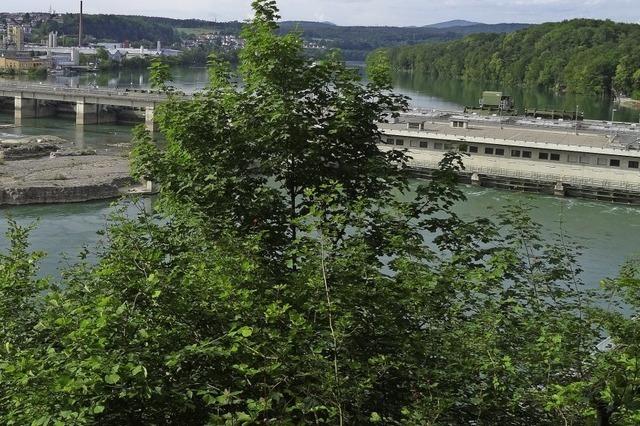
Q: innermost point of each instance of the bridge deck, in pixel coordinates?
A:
(114, 97)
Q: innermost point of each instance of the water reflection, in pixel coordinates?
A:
(455, 94)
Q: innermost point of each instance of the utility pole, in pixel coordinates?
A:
(613, 111)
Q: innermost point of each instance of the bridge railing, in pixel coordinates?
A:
(82, 91)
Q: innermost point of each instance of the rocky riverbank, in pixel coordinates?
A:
(42, 170)
(629, 103)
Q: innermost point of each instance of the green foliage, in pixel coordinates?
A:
(584, 56)
(159, 74)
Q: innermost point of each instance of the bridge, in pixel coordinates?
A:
(90, 105)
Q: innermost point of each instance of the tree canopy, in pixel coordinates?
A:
(581, 55)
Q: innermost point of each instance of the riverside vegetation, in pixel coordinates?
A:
(582, 56)
(282, 280)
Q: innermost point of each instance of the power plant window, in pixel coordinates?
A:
(526, 154)
(515, 153)
(488, 150)
(614, 163)
(499, 151)
(555, 157)
(400, 142)
(543, 156)
(473, 149)
(424, 144)
(634, 164)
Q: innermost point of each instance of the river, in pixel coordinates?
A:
(607, 232)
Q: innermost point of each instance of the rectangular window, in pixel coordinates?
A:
(424, 144)
(473, 149)
(526, 154)
(573, 158)
(414, 125)
(448, 146)
(499, 151)
(400, 142)
(554, 157)
(543, 156)
(602, 161)
(488, 150)
(515, 153)
(614, 163)
(634, 164)
(437, 145)
(585, 159)
(389, 141)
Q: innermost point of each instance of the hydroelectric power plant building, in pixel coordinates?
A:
(590, 159)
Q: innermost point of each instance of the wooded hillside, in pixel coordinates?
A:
(583, 56)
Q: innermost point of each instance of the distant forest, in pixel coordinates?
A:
(135, 29)
(581, 56)
(355, 42)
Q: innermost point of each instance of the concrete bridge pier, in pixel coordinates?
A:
(87, 113)
(31, 108)
(559, 190)
(149, 119)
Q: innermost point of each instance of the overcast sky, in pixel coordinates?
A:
(356, 12)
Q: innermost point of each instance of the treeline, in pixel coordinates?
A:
(356, 42)
(137, 29)
(582, 56)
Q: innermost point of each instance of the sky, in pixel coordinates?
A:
(356, 12)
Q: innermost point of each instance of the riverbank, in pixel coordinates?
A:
(46, 170)
(629, 103)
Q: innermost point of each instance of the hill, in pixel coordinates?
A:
(454, 24)
(355, 41)
(583, 56)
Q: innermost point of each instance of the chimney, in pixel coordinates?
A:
(80, 27)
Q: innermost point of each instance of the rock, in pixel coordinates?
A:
(65, 179)
(30, 147)
(73, 153)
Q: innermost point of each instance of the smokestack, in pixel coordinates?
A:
(80, 27)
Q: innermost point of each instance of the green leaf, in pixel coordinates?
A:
(112, 378)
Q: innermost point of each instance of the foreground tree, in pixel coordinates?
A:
(293, 274)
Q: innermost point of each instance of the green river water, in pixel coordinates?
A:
(608, 233)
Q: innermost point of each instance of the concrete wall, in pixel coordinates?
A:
(32, 108)
(87, 113)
